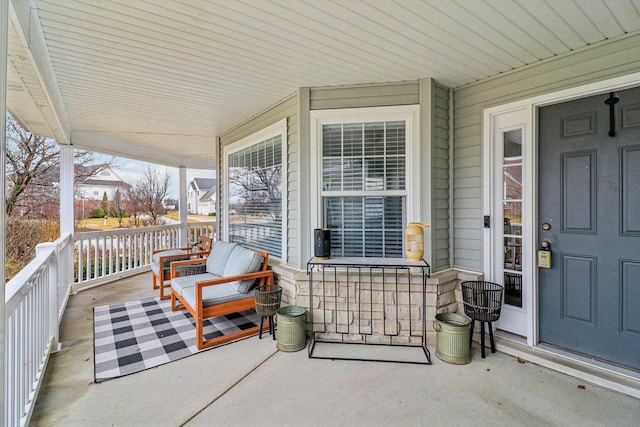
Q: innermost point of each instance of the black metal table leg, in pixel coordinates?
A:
(482, 338)
(473, 321)
(261, 323)
(272, 327)
(493, 344)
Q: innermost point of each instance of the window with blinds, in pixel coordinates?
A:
(363, 187)
(255, 196)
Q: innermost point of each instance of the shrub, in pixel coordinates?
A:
(22, 236)
(98, 213)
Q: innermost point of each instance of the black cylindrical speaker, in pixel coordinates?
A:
(322, 243)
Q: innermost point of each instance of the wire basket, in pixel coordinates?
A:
(191, 269)
(268, 299)
(482, 300)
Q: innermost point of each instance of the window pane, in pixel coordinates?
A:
(513, 145)
(374, 138)
(352, 244)
(512, 183)
(513, 289)
(373, 245)
(352, 174)
(374, 174)
(373, 162)
(513, 218)
(395, 173)
(255, 194)
(396, 138)
(332, 174)
(364, 226)
(352, 139)
(332, 140)
(513, 254)
(352, 212)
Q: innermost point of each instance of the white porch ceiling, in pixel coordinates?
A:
(159, 80)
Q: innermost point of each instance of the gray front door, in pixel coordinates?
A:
(589, 210)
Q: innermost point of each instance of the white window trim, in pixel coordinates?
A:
(408, 113)
(276, 129)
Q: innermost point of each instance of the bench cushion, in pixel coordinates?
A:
(242, 261)
(182, 282)
(212, 295)
(219, 256)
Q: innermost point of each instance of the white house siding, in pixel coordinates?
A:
(604, 61)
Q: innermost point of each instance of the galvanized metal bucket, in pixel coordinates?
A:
(452, 338)
(290, 334)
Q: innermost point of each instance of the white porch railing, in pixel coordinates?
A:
(35, 299)
(105, 256)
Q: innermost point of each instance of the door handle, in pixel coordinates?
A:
(546, 244)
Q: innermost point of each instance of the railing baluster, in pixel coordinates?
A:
(32, 321)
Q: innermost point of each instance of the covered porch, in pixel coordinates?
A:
(250, 382)
(191, 84)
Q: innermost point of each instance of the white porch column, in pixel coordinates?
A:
(4, 25)
(182, 207)
(66, 190)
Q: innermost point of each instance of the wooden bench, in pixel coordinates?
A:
(219, 285)
(164, 258)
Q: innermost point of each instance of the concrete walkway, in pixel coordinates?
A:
(251, 383)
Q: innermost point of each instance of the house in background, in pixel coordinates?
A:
(201, 196)
(90, 191)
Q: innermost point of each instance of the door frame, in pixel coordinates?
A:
(492, 242)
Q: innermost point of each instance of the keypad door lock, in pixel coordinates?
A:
(544, 254)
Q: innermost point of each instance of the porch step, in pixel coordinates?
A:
(613, 377)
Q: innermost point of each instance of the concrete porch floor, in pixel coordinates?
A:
(251, 383)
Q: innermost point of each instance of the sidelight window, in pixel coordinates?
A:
(512, 216)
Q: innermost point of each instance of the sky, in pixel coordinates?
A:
(130, 171)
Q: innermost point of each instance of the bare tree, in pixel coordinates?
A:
(147, 195)
(118, 207)
(259, 188)
(33, 173)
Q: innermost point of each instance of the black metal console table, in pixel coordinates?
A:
(371, 302)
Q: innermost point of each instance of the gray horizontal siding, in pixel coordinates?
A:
(379, 95)
(440, 178)
(599, 62)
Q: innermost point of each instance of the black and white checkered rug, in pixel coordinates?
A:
(133, 336)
